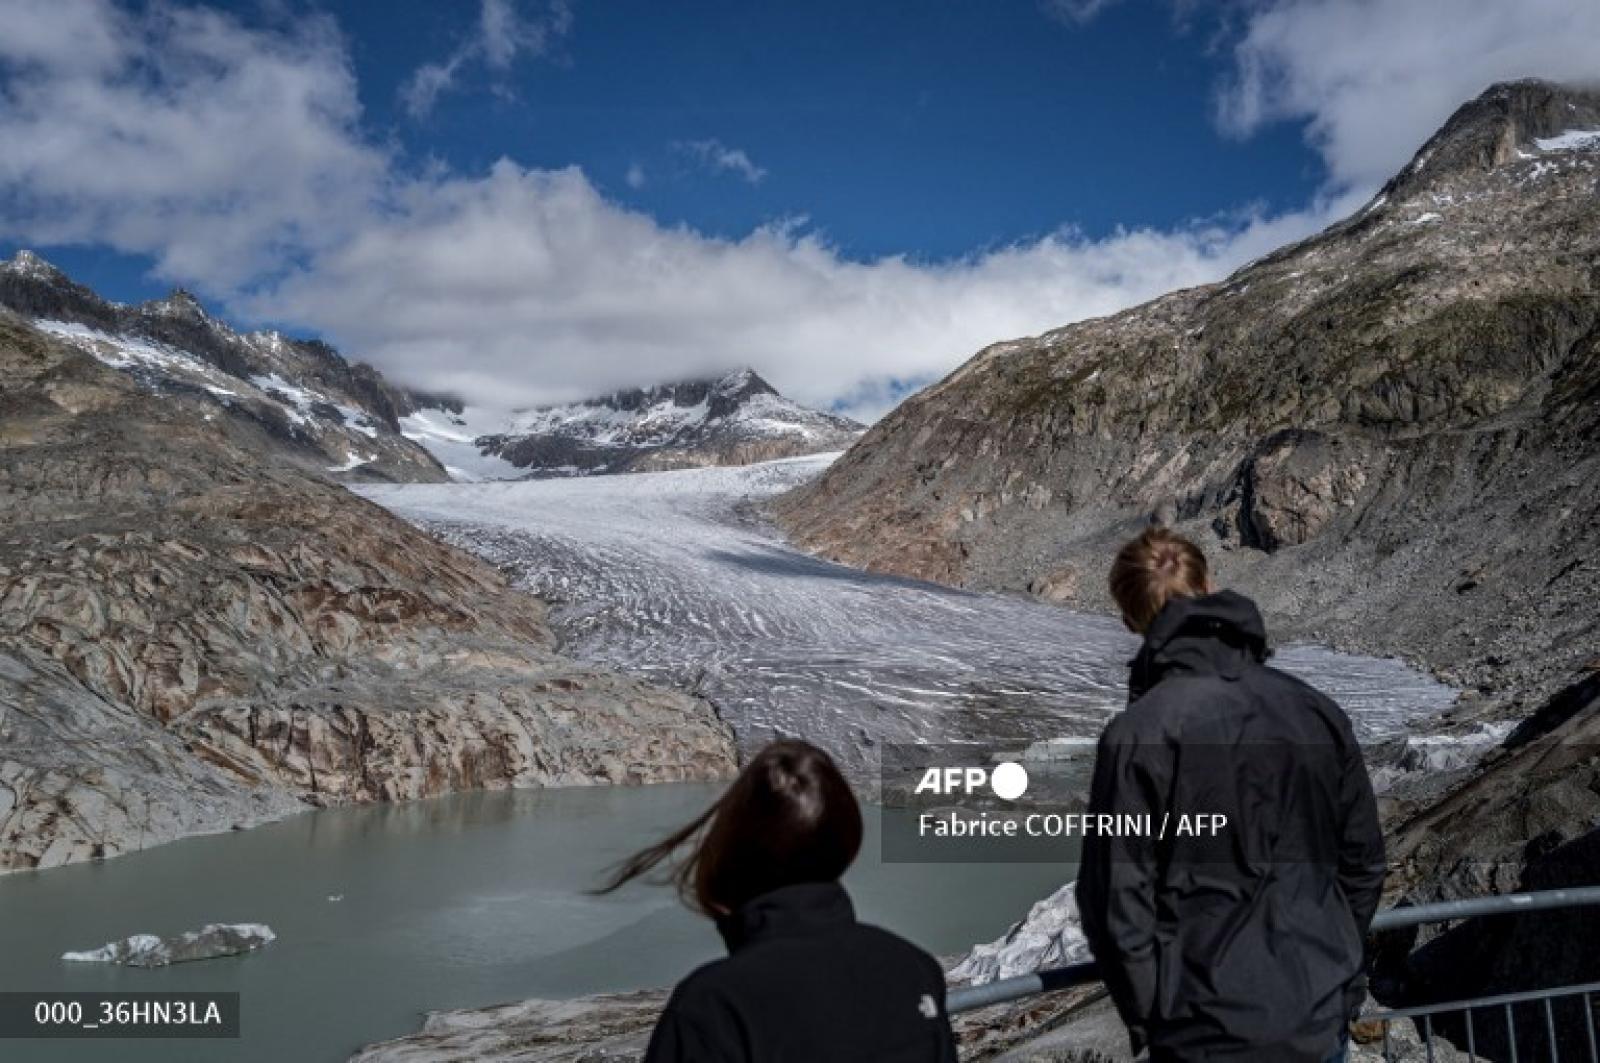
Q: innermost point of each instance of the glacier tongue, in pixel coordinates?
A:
(670, 575)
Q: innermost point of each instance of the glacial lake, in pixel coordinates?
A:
(461, 901)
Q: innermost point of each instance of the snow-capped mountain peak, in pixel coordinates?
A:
(732, 419)
(28, 264)
(180, 303)
(296, 396)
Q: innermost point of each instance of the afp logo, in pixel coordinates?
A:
(1008, 780)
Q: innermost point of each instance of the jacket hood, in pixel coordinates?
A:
(803, 909)
(1216, 634)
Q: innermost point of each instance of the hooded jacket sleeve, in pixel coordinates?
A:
(1361, 861)
(1361, 858)
(1117, 876)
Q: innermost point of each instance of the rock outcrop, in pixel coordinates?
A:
(609, 1028)
(196, 636)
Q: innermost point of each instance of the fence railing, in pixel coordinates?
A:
(1502, 1012)
(1054, 979)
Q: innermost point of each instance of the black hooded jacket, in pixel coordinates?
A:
(806, 983)
(1240, 944)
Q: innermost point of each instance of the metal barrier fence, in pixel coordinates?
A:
(1058, 978)
(1505, 1006)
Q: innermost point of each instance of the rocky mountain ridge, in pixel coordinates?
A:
(735, 419)
(197, 635)
(317, 409)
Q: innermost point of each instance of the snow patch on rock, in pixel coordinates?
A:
(1571, 140)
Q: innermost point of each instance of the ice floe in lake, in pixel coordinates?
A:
(209, 942)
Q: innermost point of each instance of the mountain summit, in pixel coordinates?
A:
(733, 419)
(300, 398)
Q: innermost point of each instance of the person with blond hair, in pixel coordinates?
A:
(1233, 928)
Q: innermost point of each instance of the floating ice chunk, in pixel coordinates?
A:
(209, 942)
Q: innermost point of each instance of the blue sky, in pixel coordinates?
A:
(525, 200)
(934, 128)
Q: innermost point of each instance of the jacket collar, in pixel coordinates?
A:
(1217, 634)
(790, 911)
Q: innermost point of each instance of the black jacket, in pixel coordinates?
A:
(806, 983)
(1242, 945)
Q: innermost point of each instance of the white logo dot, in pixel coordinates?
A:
(1009, 780)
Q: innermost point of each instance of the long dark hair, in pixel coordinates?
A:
(788, 818)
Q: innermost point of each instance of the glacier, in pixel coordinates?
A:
(676, 576)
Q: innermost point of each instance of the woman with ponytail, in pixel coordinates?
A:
(803, 981)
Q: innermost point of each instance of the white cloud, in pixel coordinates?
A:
(218, 150)
(1374, 78)
(235, 158)
(717, 157)
(531, 286)
(83, 35)
(502, 33)
(635, 176)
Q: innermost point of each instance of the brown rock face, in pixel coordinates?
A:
(1295, 485)
(192, 638)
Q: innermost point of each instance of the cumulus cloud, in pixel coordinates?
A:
(717, 157)
(234, 157)
(529, 285)
(502, 33)
(222, 152)
(1373, 78)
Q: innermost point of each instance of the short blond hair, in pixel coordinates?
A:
(1152, 570)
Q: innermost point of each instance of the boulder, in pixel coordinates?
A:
(1295, 484)
(1057, 585)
